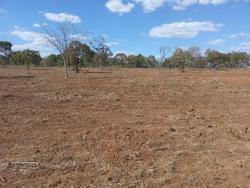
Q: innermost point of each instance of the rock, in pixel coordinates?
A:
(191, 109)
(110, 178)
(172, 129)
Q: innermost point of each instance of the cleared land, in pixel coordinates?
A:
(124, 128)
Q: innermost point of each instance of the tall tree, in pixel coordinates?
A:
(151, 61)
(216, 59)
(102, 50)
(60, 36)
(86, 55)
(164, 51)
(78, 53)
(121, 59)
(179, 58)
(194, 56)
(138, 61)
(238, 59)
(73, 54)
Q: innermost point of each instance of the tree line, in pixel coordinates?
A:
(82, 55)
(75, 53)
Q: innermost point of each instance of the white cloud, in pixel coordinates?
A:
(183, 29)
(44, 50)
(245, 44)
(183, 4)
(243, 47)
(216, 42)
(80, 37)
(124, 52)
(62, 17)
(3, 11)
(18, 28)
(37, 41)
(29, 36)
(119, 7)
(36, 25)
(109, 44)
(34, 41)
(39, 25)
(150, 5)
(239, 35)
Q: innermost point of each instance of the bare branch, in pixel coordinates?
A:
(164, 51)
(60, 36)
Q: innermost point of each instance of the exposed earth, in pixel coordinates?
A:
(142, 128)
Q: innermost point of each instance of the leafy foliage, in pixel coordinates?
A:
(5, 51)
(26, 57)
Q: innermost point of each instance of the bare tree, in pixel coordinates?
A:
(60, 36)
(102, 50)
(164, 51)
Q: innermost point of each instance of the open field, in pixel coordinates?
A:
(124, 128)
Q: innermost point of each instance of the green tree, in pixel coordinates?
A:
(136, 61)
(216, 59)
(5, 52)
(73, 54)
(151, 61)
(201, 62)
(78, 53)
(166, 63)
(178, 59)
(102, 51)
(87, 55)
(193, 55)
(27, 57)
(121, 59)
(16, 58)
(238, 59)
(53, 60)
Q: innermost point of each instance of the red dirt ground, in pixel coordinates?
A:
(124, 128)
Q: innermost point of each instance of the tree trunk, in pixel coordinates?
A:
(65, 68)
(77, 67)
(100, 63)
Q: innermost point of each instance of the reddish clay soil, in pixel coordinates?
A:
(124, 128)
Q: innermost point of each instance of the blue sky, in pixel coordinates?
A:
(132, 26)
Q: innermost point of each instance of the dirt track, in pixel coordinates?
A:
(125, 128)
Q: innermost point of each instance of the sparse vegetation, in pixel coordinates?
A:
(97, 53)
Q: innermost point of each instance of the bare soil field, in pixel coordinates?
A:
(124, 128)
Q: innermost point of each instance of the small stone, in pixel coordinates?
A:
(110, 178)
(191, 109)
(45, 120)
(172, 129)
